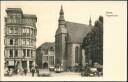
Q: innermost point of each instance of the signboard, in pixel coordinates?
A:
(11, 63)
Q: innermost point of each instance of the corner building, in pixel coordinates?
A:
(20, 39)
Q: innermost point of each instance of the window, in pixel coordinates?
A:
(31, 42)
(28, 53)
(11, 53)
(45, 58)
(27, 30)
(11, 41)
(24, 41)
(24, 31)
(27, 42)
(24, 53)
(16, 41)
(32, 53)
(16, 30)
(10, 30)
(16, 53)
(11, 17)
(51, 60)
(76, 54)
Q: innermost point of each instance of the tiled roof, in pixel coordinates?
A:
(19, 10)
(77, 31)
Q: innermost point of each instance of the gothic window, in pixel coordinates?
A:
(11, 41)
(16, 53)
(76, 54)
(11, 53)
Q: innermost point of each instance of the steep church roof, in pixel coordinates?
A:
(77, 31)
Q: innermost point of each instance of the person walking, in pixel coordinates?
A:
(33, 71)
(25, 71)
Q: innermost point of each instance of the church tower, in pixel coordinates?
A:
(60, 41)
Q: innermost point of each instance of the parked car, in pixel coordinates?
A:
(58, 69)
(93, 72)
(90, 72)
(51, 68)
(44, 72)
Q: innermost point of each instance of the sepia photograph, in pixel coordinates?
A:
(62, 39)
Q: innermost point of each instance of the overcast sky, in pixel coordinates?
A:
(48, 13)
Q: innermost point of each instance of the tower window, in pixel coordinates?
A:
(76, 54)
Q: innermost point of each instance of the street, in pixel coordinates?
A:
(53, 74)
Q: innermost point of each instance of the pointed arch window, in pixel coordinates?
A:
(76, 54)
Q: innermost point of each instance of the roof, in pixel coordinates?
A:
(46, 45)
(29, 16)
(77, 31)
(16, 10)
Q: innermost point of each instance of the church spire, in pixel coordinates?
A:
(61, 18)
(61, 10)
(90, 22)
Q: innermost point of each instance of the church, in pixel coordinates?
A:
(68, 42)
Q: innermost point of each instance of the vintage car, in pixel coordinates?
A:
(44, 72)
(90, 72)
(58, 69)
(51, 68)
(93, 72)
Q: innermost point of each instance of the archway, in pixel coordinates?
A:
(45, 65)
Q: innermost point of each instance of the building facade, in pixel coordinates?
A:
(68, 42)
(46, 55)
(20, 39)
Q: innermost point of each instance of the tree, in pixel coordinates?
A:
(93, 42)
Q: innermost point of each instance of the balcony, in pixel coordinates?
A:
(12, 21)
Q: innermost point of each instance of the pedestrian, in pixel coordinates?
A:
(33, 71)
(25, 71)
(37, 70)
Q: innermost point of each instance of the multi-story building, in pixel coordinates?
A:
(46, 55)
(20, 39)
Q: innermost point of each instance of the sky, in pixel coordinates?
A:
(48, 13)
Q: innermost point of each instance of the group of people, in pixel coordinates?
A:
(20, 71)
